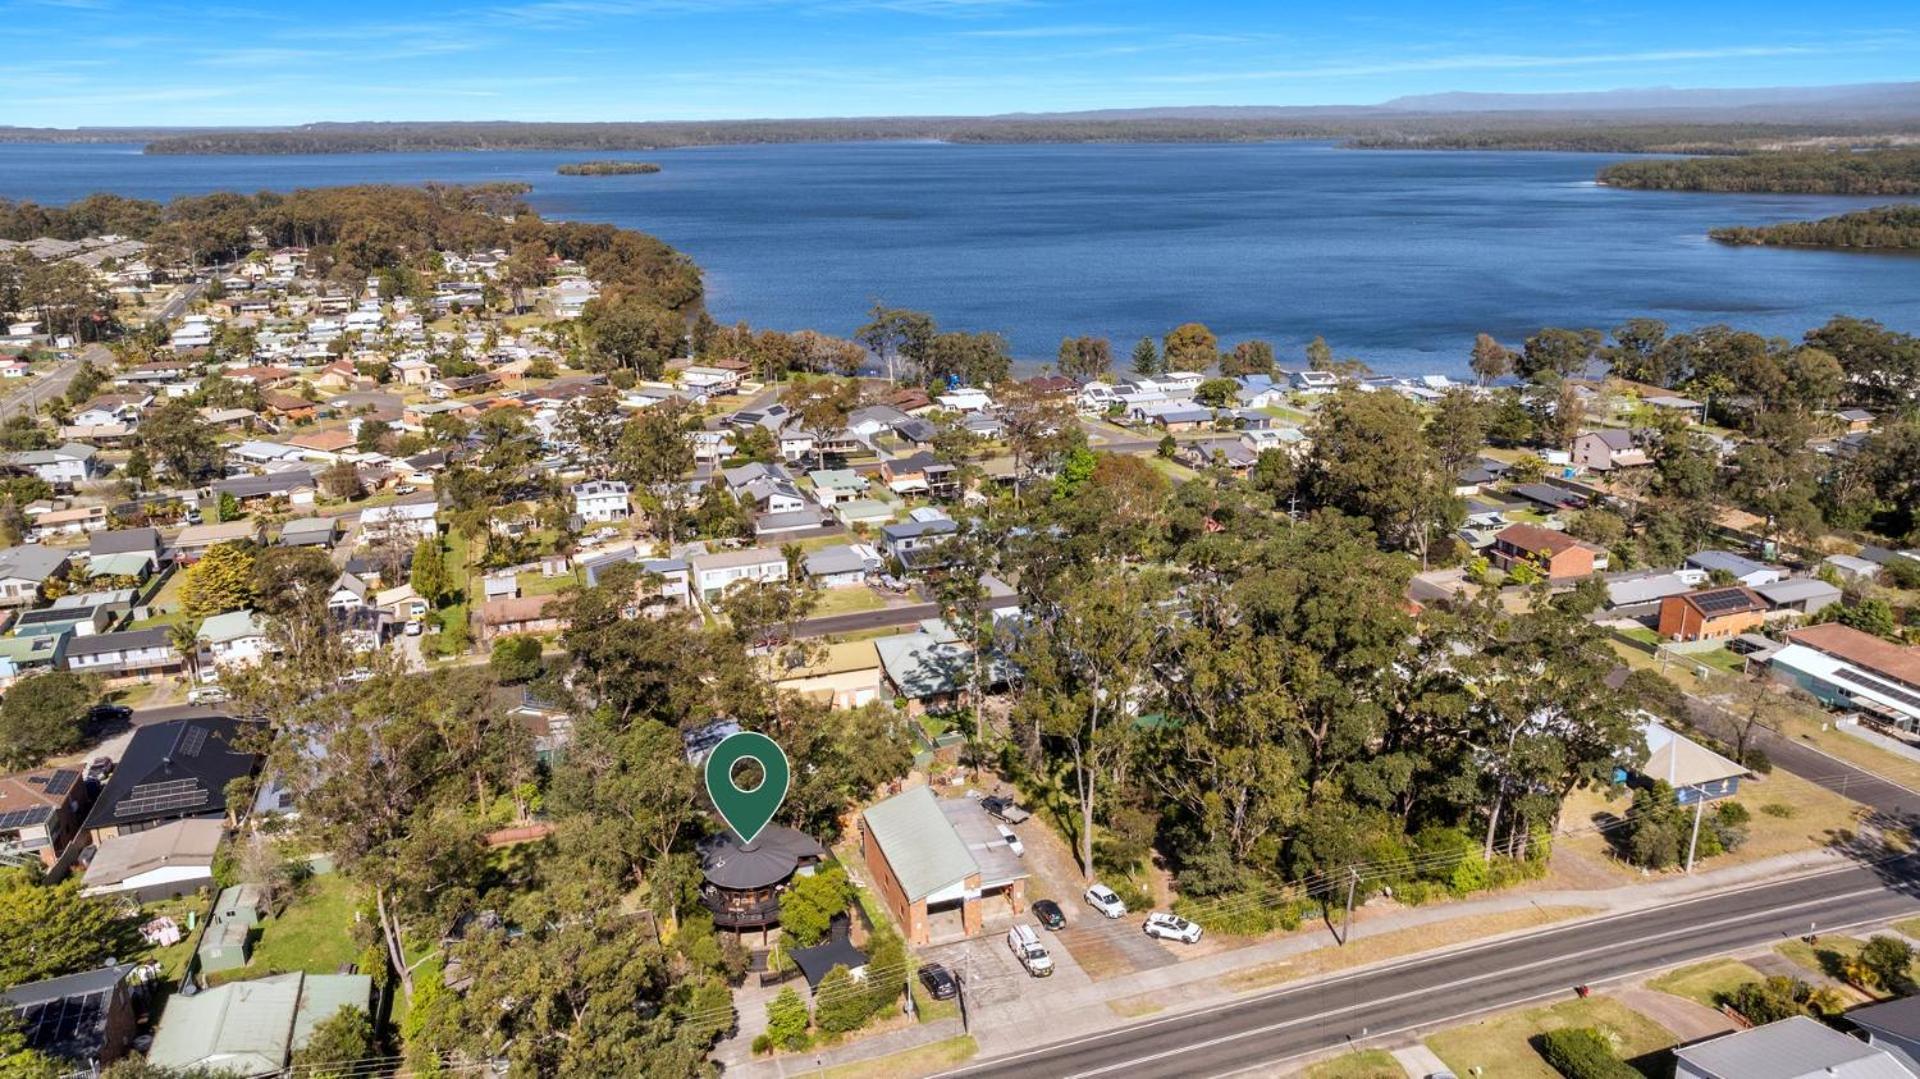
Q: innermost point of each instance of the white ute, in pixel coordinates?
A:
(1025, 945)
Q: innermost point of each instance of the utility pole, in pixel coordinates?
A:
(1346, 927)
(1699, 806)
(910, 1008)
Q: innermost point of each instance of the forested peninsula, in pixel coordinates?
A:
(1832, 172)
(1883, 228)
(607, 168)
(1360, 128)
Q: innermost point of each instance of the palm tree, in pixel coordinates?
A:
(185, 638)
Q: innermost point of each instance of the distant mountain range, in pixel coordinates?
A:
(1653, 119)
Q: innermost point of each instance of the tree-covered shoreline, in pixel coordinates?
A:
(607, 168)
(1829, 172)
(1883, 228)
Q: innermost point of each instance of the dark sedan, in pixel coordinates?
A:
(1049, 913)
(940, 984)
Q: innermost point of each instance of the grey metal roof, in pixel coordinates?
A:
(1737, 565)
(124, 541)
(1644, 588)
(840, 558)
(133, 640)
(1796, 1048)
(1797, 590)
(1899, 1018)
(31, 563)
(776, 852)
(919, 843)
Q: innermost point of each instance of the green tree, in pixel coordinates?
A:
(44, 714)
(1890, 961)
(52, 930)
(515, 658)
(1491, 360)
(787, 1020)
(1146, 358)
(1217, 392)
(811, 902)
(221, 581)
(840, 1005)
(893, 334)
(1249, 358)
(429, 576)
(821, 407)
(1190, 346)
(1084, 359)
(1370, 460)
(337, 1045)
(1319, 354)
(175, 435)
(1554, 351)
(632, 333)
(19, 1060)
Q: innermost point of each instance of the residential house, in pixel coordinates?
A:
(288, 407)
(350, 593)
(75, 521)
(710, 380)
(1646, 588)
(741, 888)
(832, 486)
(1856, 419)
(1711, 613)
(925, 853)
(170, 771)
(714, 573)
(1182, 418)
(921, 472)
(844, 675)
(843, 565)
(110, 410)
(1852, 568)
(600, 501)
(126, 541)
(1315, 382)
(1548, 497)
(1847, 669)
(1795, 1048)
(252, 1027)
(1696, 773)
(175, 858)
(309, 532)
(22, 656)
(195, 541)
(1743, 570)
(1559, 555)
(1799, 596)
(128, 653)
(802, 520)
(261, 454)
(932, 669)
(40, 811)
(83, 1021)
(1894, 1027)
(522, 614)
(965, 399)
(766, 488)
(402, 522)
(295, 485)
(326, 445)
(234, 639)
(864, 512)
(1608, 449)
(903, 540)
(65, 466)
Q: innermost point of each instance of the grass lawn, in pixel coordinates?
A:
(1173, 470)
(1826, 957)
(1721, 659)
(922, 1060)
(314, 932)
(1502, 1046)
(1372, 949)
(1817, 817)
(173, 958)
(1706, 982)
(1367, 1064)
(538, 584)
(1909, 927)
(1641, 634)
(847, 601)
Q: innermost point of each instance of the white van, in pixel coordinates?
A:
(1025, 945)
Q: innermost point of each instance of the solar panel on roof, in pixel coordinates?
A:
(24, 818)
(1719, 602)
(191, 741)
(1861, 678)
(62, 781)
(161, 797)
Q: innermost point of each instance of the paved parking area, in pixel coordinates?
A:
(1109, 948)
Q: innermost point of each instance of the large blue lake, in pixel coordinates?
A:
(1398, 258)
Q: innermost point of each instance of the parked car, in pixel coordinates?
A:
(207, 695)
(1101, 898)
(1002, 807)
(108, 713)
(413, 628)
(1013, 841)
(1049, 914)
(1172, 927)
(939, 984)
(99, 769)
(1026, 947)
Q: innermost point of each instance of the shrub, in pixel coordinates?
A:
(1778, 809)
(1583, 1053)
(1769, 1001)
(1887, 960)
(1134, 896)
(1759, 761)
(762, 1044)
(841, 1006)
(515, 658)
(809, 905)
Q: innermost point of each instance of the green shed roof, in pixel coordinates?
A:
(920, 844)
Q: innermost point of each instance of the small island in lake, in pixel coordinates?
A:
(1883, 228)
(1823, 172)
(607, 168)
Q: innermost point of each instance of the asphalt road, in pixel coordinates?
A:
(1442, 989)
(1884, 796)
(881, 619)
(54, 382)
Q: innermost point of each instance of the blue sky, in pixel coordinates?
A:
(80, 62)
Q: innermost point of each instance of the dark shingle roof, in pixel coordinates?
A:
(171, 770)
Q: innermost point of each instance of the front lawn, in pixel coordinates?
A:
(1503, 1045)
(1706, 983)
(847, 601)
(1368, 1064)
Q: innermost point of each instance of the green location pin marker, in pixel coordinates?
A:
(747, 811)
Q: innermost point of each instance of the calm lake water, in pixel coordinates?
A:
(1399, 258)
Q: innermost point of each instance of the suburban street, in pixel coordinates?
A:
(1446, 988)
(1442, 989)
(53, 382)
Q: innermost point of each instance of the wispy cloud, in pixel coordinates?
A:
(1024, 32)
(1491, 62)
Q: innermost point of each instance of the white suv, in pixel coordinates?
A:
(1172, 927)
(1101, 898)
